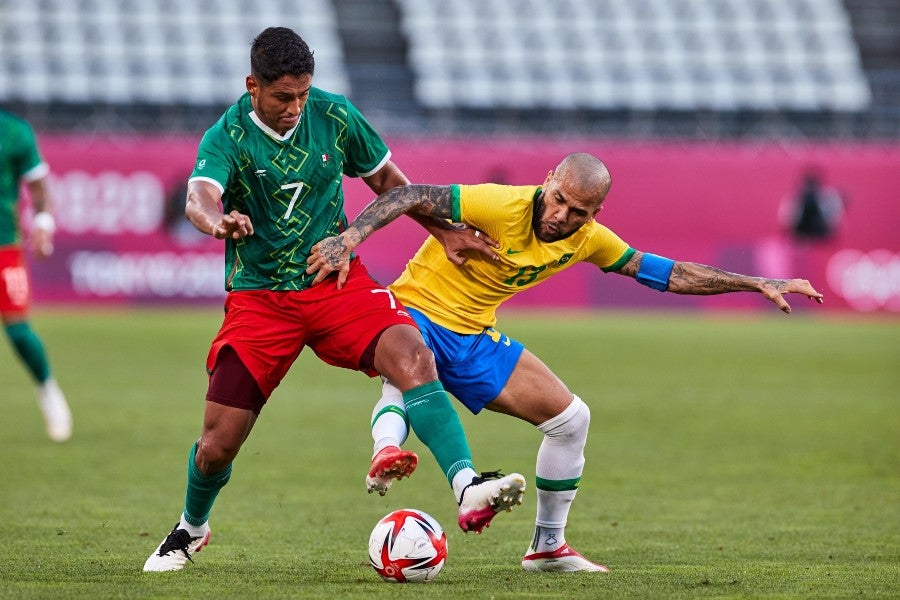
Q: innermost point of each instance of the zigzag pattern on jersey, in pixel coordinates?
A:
(339, 114)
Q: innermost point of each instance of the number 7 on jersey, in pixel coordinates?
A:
(298, 186)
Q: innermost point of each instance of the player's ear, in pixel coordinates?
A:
(252, 85)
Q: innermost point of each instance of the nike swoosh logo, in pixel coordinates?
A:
(511, 251)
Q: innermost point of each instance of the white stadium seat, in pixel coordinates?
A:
(756, 52)
(152, 51)
(666, 54)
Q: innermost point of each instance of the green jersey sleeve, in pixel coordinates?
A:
(214, 158)
(29, 157)
(366, 152)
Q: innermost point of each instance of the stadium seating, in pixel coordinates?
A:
(150, 51)
(727, 58)
(643, 54)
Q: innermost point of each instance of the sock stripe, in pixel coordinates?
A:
(392, 408)
(421, 393)
(457, 467)
(423, 399)
(557, 485)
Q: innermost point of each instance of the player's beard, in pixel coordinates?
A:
(537, 225)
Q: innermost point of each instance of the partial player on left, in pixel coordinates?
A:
(21, 163)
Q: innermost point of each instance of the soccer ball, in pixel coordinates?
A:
(407, 545)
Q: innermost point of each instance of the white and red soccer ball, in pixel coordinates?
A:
(407, 545)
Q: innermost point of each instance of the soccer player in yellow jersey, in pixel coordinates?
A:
(541, 230)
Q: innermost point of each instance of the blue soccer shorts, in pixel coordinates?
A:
(474, 367)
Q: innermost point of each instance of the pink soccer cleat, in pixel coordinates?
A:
(486, 496)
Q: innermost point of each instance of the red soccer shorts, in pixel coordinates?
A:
(268, 329)
(15, 292)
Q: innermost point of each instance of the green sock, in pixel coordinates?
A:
(30, 349)
(436, 423)
(202, 491)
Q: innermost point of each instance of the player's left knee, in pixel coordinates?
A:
(214, 455)
(423, 363)
(412, 367)
(569, 426)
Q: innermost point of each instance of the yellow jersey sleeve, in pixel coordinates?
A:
(465, 299)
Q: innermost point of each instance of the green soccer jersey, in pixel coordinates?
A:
(19, 160)
(289, 186)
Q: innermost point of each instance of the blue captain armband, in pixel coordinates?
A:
(654, 271)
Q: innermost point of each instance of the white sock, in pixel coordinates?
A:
(461, 480)
(193, 530)
(389, 425)
(49, 385)
(548, 539)
(560, 459)
(49, 390)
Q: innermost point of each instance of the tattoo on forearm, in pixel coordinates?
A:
(694, 278)
(780, 285)
(434, 201)
(422, 199)
(631, 267)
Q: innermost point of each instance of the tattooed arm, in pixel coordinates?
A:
(455, 238)
(333, 254)
(428, 200)
(696, 279)
(430, 206)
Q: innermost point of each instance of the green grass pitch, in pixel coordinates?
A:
(731, 456)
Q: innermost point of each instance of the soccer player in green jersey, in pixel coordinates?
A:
(21, 161)
(268, 181)
(542, 230)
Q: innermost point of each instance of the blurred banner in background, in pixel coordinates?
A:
(122, 237)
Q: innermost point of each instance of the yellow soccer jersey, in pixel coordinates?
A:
(465, 299)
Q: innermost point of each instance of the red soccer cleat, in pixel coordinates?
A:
(563, 559)
(389, 464)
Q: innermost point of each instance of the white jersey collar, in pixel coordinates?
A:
(271, 132)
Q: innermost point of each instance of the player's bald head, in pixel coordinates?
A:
(587, 173)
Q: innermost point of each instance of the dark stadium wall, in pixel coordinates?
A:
(122, 237)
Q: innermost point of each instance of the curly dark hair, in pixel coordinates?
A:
(279, 51)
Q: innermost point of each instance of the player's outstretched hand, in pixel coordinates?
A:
(329, 255)
(234, 225)
(775, 289)
(460, 238)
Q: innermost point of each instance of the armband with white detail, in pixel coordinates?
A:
(654, 271)
(44, 221)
